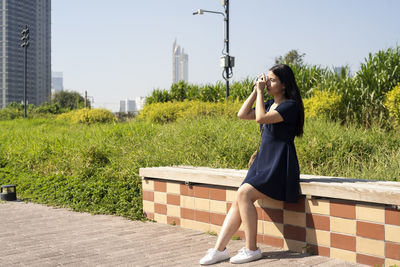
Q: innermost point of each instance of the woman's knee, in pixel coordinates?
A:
(243, 194)
(247, 193)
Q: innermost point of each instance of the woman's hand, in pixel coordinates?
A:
(261, 83)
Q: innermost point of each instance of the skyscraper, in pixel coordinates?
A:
(14, 15)
(57, 84)
(180, 68)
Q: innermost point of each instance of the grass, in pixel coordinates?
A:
(95, 167)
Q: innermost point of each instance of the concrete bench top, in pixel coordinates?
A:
(380, 192)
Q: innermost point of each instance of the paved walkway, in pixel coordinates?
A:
(36, 235)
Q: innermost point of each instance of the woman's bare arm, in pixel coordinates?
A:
(263, 117)
(246, 112)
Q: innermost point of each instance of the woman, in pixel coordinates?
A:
(275, 170)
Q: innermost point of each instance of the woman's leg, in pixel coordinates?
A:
(229, 227)
(246, 197)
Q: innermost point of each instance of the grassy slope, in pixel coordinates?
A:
(94, 168)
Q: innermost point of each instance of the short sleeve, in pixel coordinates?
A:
(289, 111)
(267, 104)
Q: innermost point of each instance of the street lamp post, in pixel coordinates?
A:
(226, 61)
(25, 44)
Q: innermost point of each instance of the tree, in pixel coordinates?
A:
(291, 57)
(68, 99)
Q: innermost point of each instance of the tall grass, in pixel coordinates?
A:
(95, 167)
(362, 95)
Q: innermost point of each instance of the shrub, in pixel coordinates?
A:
(323, 104)
(379, 74)
(88, 116)
(242, 89)
(10, 113)
(69, 100)
(47, 108)
(173, 111)
(158, 96)
(161, 112)
(212, 93)
(392, 103)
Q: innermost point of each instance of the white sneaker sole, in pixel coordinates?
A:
(246, 260)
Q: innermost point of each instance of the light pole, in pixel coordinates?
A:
(226, 61)
(25, 44)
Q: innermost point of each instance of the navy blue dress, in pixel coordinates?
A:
(275, 171)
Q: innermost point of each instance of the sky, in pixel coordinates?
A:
(122, 49)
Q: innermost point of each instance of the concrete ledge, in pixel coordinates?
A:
(348, 219)
(380, 192)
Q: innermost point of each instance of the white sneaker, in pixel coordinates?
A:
(246, 255)
(213, 256)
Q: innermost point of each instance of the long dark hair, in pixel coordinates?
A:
(286, 76)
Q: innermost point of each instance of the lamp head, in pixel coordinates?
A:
(199, 12)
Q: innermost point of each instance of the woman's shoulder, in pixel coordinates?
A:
(289, 103)
(287, 108)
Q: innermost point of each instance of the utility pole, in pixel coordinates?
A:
(85, 99)
(230, 60)
(25, 44)
(226, 61)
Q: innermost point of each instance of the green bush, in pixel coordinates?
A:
(10, 114)
(69, 100)
(241, 90)
(207, 93)
(88, 116)
(362, 95)
(323, 104)
(16, 110)
(172, 111)
(378, 75)
(47, 108)
(392, 103)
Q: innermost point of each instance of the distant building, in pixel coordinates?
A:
(14, 15)
(180, 64)
(57, 82)
(132, 106)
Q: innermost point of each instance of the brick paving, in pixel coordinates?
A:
(37, 235)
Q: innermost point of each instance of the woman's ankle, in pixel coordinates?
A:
(219, 248)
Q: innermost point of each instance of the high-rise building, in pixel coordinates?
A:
(14, 15)
(57, 84)
(180, 64)
(132, 106)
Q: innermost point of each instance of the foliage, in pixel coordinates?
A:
(11, 112)
(378, 75)
(88, 116)
(123, 117)
(95, 167)
(362, 95)
(16, 110)
(240, 90)
(179, 91)
(158, 96)
(47, 108)
(69, 100)
(172, 111)
(207, 93)
(293, 57)
(323, 104)
(392, 102)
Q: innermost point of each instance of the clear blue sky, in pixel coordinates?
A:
(122, 49)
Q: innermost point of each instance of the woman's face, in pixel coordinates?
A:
(274, 85)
